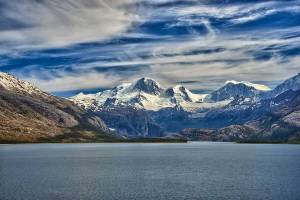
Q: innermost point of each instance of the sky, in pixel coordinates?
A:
(67, 46)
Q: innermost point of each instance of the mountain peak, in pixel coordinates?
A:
(249, 84)
(233, 89)
(79, 96)
(148, 85)
(181, 93)
(178, 90)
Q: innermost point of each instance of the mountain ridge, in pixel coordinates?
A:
(146, 109)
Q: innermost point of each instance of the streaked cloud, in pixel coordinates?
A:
(200, 44)
(44, 23)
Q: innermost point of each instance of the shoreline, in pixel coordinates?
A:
(139, 140)
(148, 142)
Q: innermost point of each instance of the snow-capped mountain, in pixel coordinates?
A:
(170, 108)
(168, 105)
(272, 120)
(130, 108)
(233, 89)
(145, 94)
(175, 108)
(148, 86)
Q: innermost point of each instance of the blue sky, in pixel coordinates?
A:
(88, 45)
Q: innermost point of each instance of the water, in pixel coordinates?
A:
(149, 171)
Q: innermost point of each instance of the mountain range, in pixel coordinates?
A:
(237, 111)
(246, 110)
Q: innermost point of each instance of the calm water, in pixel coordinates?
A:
(149, 171)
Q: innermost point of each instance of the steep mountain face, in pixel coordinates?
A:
(234, 89)
(130, 121)
(28, 114)
(290, 84)
(148, 86)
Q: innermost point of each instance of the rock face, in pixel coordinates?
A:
(148, 86)
(130, 122)
(28, 114)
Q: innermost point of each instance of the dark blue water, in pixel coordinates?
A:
(149, 171)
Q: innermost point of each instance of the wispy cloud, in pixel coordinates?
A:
(31, 23)
(67, 82)
(197, 43)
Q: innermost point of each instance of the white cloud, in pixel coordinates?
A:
(213, 75)
(55, 23)
(68, 82)
(167, 57)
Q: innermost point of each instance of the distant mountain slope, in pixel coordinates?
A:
(292, 83)
(272, 120)
(27, 114)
